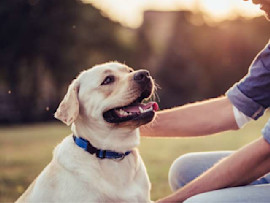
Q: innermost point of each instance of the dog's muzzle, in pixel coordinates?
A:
(136, 110)
(142, 77)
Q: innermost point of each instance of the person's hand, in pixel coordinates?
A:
(161, 201)
(164, 201)
(169, 199)
(258, 1)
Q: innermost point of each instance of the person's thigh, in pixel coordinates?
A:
(189, 166)
(248, 194)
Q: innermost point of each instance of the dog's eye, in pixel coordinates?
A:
(109, 79)
(130, 70)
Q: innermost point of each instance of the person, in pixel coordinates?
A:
(239, 176)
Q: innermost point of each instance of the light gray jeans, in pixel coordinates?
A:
(189, 166)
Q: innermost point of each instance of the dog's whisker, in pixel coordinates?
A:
(156, 85)
(156, 96)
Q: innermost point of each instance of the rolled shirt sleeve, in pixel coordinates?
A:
(251, 95)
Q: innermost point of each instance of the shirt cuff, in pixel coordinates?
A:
(240, 118)
(244, 104)
(266, 132)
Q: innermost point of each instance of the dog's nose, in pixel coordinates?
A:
(142, 76)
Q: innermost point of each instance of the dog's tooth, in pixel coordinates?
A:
(118, 111)
(121, 112)
(150, 109)
(141, 110)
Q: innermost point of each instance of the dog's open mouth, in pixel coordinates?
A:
(134, 111)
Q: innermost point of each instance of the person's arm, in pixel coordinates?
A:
(241, 168)
(201, 118)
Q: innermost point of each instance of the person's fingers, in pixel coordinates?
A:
(256, 1)
(260, 1)
(265, 8)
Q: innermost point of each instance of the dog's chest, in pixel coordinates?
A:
(104, 180)
(119, 181)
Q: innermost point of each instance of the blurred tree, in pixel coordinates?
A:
(51, 40)
(193, 61)
(44, 44)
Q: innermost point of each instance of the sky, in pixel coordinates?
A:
(130, 12)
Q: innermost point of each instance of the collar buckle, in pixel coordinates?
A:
(101, 154)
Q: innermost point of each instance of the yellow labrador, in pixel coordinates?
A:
(99, 162)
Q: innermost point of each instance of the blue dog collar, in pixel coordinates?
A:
(101, 154)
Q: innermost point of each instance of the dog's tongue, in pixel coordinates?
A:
(136, 108)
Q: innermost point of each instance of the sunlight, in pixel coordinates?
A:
(217, 9)
(228, 9)
(130, 12)
(127, 12)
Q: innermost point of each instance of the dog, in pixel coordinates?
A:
(99, 162)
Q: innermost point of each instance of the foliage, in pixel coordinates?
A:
(193, 62)
(44, 44)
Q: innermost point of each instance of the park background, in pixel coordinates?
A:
(193, 55)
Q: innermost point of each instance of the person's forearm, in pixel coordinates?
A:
(196, 119)
(242, 167)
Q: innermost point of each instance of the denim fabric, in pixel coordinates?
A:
(189, 166)
(266, 131)
(251, 95)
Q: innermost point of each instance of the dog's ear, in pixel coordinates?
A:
(68, 109)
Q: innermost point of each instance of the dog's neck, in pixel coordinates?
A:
(115, 139)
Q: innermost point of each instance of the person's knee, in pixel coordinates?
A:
(247, 194)
(180, 171)
(197, 198)
(191, 165)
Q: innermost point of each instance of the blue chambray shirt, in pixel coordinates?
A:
(251, 95)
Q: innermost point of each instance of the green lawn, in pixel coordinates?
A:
(26, 150)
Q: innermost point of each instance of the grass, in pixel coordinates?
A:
(26, 149)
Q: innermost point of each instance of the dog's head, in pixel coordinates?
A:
(110, 93)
